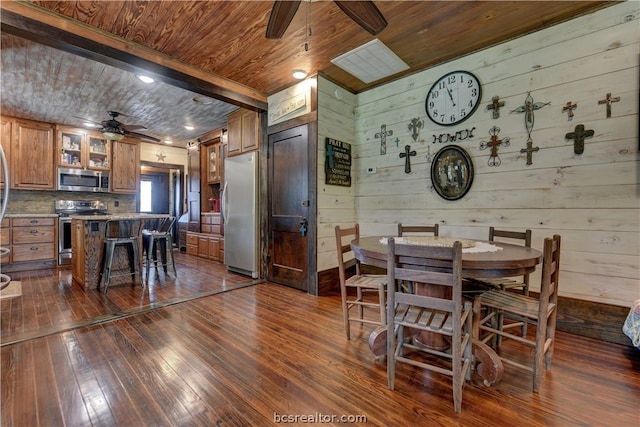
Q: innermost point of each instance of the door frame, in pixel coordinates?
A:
(309, 120)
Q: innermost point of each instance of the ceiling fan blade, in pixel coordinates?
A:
(88, 120)
(281, 15)
(141, 136)
(133, 127)
(365, 14)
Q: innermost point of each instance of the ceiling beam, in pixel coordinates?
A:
(43, 26)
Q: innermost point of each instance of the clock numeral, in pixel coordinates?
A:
(431, 104)
(470, 84)
(474, 92)
(471, 103)
(452, 118)
(441, 85)
(451, 79)
(435, 94)
(435, 112)
(463, 112)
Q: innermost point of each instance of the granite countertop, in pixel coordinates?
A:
(32, 215)
(210, 213)
(132, 215)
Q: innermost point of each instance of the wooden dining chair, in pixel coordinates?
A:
(541, 311)
(523, 237)
(443, 313)
(362, 284)
(420, 229)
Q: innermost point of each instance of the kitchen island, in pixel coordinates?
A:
(87, 238)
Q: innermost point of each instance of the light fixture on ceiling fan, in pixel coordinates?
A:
(364, 13)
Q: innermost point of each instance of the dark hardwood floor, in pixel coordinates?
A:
(245, 353)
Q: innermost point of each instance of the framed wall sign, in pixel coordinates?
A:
(452, 172)
(337, 166)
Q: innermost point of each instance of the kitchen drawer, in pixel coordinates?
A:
(192, 249)
(192, 239)
(5, 223)
(206, 228)
(214, 248)
(32, 234)
(210, 219)
(31, 222)
(32, 252)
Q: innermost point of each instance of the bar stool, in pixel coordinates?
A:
(120, 232)
(161, 236)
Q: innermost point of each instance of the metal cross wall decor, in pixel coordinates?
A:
(382, 135)
(494, 144)
(569, 107)
(529, 150)
(578, 136)
(609, 100)
(528, 108)
(407, 158)
(415, 126)
(495, 106)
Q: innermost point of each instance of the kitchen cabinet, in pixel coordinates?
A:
(32, 150)
(33, 239)
(6, 135)
(125, 167)
(81, 148)
(5, 240)
(209, 243)
(193, 192)
(214, 160)
(243, 132)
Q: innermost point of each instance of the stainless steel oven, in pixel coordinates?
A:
(65, 209)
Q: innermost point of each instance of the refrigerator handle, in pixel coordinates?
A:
(223, 202)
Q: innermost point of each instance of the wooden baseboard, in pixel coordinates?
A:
(585, 318)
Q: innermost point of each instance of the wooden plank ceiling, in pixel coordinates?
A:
(227, 38)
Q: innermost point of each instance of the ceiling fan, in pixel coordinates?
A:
(364, 13)
(114, 130)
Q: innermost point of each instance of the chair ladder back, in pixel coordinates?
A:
(433, 229)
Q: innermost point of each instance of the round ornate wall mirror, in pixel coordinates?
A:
(452, 172)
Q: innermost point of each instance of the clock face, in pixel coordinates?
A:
(453, 98)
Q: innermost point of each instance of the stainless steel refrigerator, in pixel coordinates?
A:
(240, 211)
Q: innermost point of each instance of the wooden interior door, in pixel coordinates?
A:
(289, 207)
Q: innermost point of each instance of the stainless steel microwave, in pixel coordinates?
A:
(70, 179)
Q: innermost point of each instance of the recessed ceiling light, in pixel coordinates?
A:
(189, 127)
(90, 125)
(145, 79)
(299, 74)
(167, 141)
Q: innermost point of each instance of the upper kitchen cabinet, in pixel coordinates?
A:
(6, 132)
(213, 160)
(243, 132)
(125, 167)
(83, 149)
(32, 149)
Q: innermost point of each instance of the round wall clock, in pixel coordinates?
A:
(453, 98)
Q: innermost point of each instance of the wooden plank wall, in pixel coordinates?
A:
(592, 199)
(336, 204)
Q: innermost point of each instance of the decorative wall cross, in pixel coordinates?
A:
(529, 150)
(609, 100)
(329, 155)
(495, 106)
(382, 135)
(407, 158)
(569, 107)
(578, 136)
(528, 108)
(415, 126)
(494, 144)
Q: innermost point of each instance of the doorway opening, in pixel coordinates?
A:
(162, 191)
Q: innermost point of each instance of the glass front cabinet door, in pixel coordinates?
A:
(213, 156)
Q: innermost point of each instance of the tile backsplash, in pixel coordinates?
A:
(42, 202)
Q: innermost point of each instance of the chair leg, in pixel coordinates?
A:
(148, 258)
(136, 261)
(345, 312)
(163, 253)
(173, 261)
(109, 249)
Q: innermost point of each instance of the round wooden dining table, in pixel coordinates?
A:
(510, 260)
